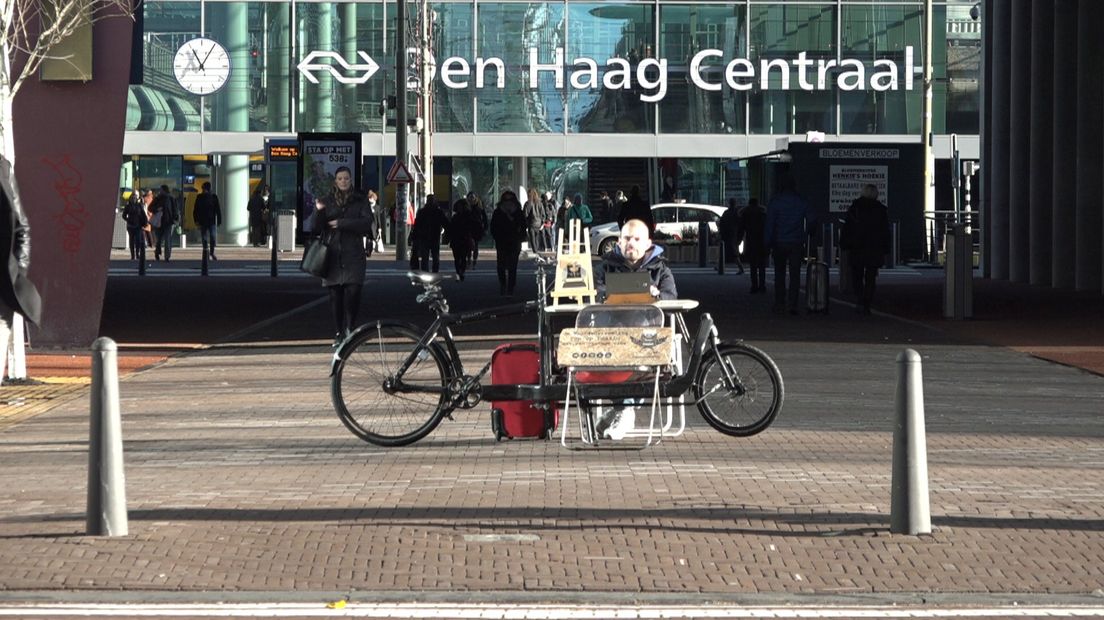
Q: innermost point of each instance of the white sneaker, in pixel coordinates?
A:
(624, 421)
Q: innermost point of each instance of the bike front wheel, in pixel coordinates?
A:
(738, 389)
(374, 402)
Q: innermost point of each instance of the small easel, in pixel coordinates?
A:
(574, 274)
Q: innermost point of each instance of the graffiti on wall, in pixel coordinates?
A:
(73, 217)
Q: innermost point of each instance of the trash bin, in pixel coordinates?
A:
(285, 230)
(958, 284)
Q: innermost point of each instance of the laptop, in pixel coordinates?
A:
(632, 287)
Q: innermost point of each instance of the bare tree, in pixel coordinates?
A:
(32, 29)
(31, 32)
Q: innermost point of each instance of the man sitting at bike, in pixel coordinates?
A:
(635, 252)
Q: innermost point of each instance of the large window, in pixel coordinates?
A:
(625, 32)
(685, 30)
(782, 31)
(347, 29)
(507, 32)
(883, 31)
(267, 41)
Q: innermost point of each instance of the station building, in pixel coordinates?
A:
(686, 100)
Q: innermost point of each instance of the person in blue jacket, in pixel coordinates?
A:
(785, 237)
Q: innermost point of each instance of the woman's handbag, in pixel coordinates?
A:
(316, 257)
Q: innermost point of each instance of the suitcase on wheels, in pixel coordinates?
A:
(519, 363)
(816, 286)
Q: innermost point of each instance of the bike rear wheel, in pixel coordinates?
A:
(749, 402)
(369, 400)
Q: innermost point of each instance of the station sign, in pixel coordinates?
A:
(708, 70)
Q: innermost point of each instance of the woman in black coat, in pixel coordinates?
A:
(343, 219)
(462, 229)
(508, 227)
(866, 237)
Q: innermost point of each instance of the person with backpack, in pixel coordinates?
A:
(580, 211)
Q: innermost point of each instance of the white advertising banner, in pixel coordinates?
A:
(847, 183)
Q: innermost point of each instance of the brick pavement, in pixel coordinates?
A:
(240, 478)
(267, 491)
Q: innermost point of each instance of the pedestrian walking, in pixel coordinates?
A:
(785, 234)
(534, 221)
(580, 211)
(636, 208)
(426, 235)
(165, 216)
(461, 233)
(258, 216)
(207, 215)
(548, 227)
(753, 221)
(508, 227)
(134, 214)
(867, 239)
(479, 216)
(731, 233)
(343, 219)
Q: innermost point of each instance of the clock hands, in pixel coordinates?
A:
(204, 61)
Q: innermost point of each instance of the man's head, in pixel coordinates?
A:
(634, 240)
(206, 186)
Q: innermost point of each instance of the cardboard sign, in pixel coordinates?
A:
(615, 347)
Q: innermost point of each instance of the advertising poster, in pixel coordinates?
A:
(846, 182)
(320, 155)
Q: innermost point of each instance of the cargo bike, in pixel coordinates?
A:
(393, 382)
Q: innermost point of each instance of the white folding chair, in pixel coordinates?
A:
(620, 344)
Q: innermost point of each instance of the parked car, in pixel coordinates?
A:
(671, 219)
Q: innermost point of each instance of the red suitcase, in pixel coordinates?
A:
(519, 363)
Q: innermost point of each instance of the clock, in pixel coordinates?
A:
(202, 66)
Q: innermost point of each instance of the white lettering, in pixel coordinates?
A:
(740, 69)
(884, 80)
(764, 71)
(461, 70)
(585, 77)
(695, 69)
(660, 82)
(803, 65)
(556, 67)
(619, 75)
(822, 73)
(857, 75)
(910, 69)
(481, 65)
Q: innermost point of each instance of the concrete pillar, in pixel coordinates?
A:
(278, 65)
(349, 114)
(233, 110)
(985, 186)
(1063, 192)
(317, 100)
(234, 172)
(1041, 140)
(1090, 146)
(1019, 153)
(997, 59)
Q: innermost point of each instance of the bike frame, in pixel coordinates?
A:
(551, 386)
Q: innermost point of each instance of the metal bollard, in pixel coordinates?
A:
(203, 264)
(721, 257)
(909, 511)
(106, 512)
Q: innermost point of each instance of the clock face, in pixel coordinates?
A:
(202, 66)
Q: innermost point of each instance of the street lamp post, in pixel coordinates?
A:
(926, 134)
(401, 149)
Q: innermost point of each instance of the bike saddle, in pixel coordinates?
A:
(425, 277)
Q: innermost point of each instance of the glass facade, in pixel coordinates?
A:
(604, 54)
(607, 75)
